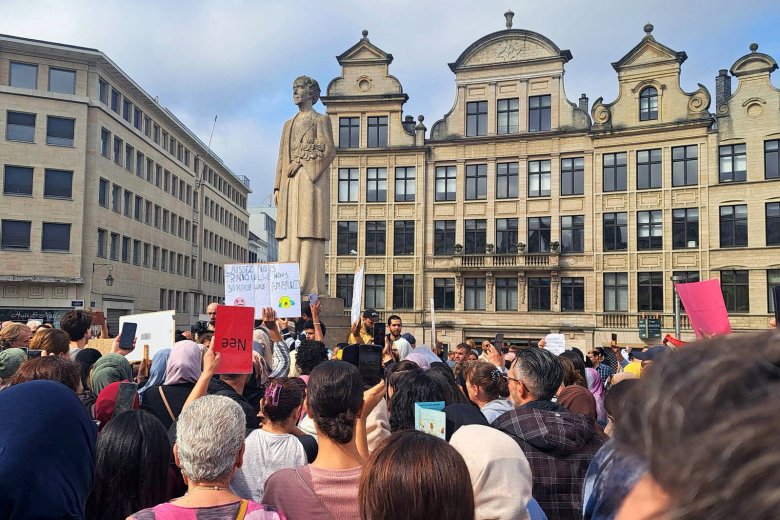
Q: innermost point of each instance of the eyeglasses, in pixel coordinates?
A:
(511, 378)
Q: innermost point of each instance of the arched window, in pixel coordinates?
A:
(648, 104)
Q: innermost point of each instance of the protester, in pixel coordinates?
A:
(651, 356)
(181, 372)
(77, 324)
(400, 481)
(362, 331)
(558, 444)
(53, 368)
(442, 375)
(578, 361)
(85, 360)
(488, 388)
(272, 447)
(310, 353)
(105, 405)
(411, 388)
(209, 447)
(419, 359)
(47, 460)
(579, 400)
(15, 335)
(109, 369)
(52, 342)
(596, 388)
(408, 337)
(327, 488)
(157, 371)
(33, 325)
(459, 415)
(131, 472)
(10, 361)
(500, 474)
(596, 357)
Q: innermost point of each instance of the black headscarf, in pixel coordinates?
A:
(86, 358)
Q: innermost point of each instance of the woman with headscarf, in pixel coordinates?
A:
(109, 369)
(47, 463)
(85, 359)
(421, 360)
(499, 471)
(596, 387)
(105, 405)
(10, 361)
(402, 347)
(156, 371)
(181, 373)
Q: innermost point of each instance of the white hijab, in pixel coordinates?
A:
(499, 471)
(404, 348)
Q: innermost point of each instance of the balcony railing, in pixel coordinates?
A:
(628, 320)
(524, 261)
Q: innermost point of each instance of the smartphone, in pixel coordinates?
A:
(379, 334)
(499, 343)
(313, 298)
(125, 397)
(32, 354)
(128, 335)
(26, 351)
(614, 338)
(776, 296)
(370, 364)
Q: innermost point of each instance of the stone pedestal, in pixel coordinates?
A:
(336, 319)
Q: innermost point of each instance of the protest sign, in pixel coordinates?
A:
(430, 418)
(284, 289)
(555, 343)
(156, 329)
(250, 285)
(233, 339)
(357, 295)
(704, 305)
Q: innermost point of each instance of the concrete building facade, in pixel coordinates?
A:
(262, 224)
(526, 213)
(100, 179)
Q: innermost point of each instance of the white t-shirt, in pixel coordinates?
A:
(265, 454)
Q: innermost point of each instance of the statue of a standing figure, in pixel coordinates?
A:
(302, 187)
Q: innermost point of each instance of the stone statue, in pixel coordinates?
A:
(302, 187)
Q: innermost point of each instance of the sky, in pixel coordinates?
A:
(237, 59)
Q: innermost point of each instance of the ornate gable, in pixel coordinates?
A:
(509, 46)
(364, 52)
(753, 63)
(649, 52)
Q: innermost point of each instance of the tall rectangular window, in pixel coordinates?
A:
(444, 293)
(116, 198)
(476, 181)
(20, 127)
(128, 204)
(376, 184)
(129, 157)
(444, 237)
(59, 131)
(375, 291)
(539, 115)
(772, 159)
(344, 285)
(348, 184)
(126, 249)
(376, 232)
(148, 213)
(685, 228)
(127, 109)
(734, 226)
(139, 165)
(115, 100)
(539, 235)
(507, 180)
(476, 236)
(101, 243)
(17, 180)
(403, 291)
(616, 292)
(772, 279)
(474, 294)
(445, 183)
(105, 143)
(573, 176)
(62, 81)
(648, 169)
(735, 285)
(476, 118)
(136, 252)
(650, 291)
(139, 208)
(57, 184)
(118, 150)
(349, 132)
(685, 165)
(15, 234)
(377, 131)
(649, 230)
(572, 294)
(405, 184)
(346, 237)
(538, 178)
(733, 163)
(508, 116)
(403, 237)
(103, 91)
(155, 257)
(23, 75)
(114, 246)
(538, 294)
(615, 231)
(138, 118)
(103, 193)
(506, 235)
(772, 223)
(573, 234)
(614, 171)
(506, 294)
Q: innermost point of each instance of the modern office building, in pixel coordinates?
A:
(107, 198)
(551, 215)
(262, 224)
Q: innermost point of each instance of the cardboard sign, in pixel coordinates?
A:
(704, 305)
(274, 285)
(156, 329)
(233, 339)
(357, 295)
(429, 418)
(555, 343)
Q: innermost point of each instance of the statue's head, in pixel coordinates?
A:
(309, 84)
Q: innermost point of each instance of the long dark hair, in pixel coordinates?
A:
(441, 373)
(412, 387)
(488, 377)
(334, 398)
(576, 357)
(133, 454)
(282, 396)
(399, 480)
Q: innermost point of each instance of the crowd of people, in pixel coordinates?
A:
(660, 433)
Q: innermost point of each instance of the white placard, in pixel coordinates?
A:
(433, 325)
(357, 295)
(249, 285)
(284, 289)
(156, 329)
(555, 343)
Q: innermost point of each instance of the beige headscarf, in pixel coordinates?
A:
(499, 472)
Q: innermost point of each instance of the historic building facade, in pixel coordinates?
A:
(551, 216)
(107, 198)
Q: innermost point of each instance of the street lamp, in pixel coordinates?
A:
(675, 280)
(109, 278)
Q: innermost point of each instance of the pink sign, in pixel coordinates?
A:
(705, 307)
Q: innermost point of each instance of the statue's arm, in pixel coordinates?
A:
(325, 135)
(280, 170)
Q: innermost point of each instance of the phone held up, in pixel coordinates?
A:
(379, 334)
(128, 335)
(313, 297)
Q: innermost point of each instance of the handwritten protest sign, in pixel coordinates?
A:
(156, 329)
(357, 295)
(274, 285)
(555, 343)
(704, 305)
(233, 339)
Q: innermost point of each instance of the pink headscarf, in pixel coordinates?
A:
(184, 363)
(596, 388)
(421, 360)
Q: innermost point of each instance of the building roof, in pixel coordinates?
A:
(512, 45)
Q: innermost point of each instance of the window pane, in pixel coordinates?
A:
(17, 180)
(56, 237)
(59, 131)
(58, 184)
(24, 75)
(62, 81)
(20, 127)
(15, 234)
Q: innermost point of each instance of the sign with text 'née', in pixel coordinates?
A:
(233, 339)
(274, 285)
